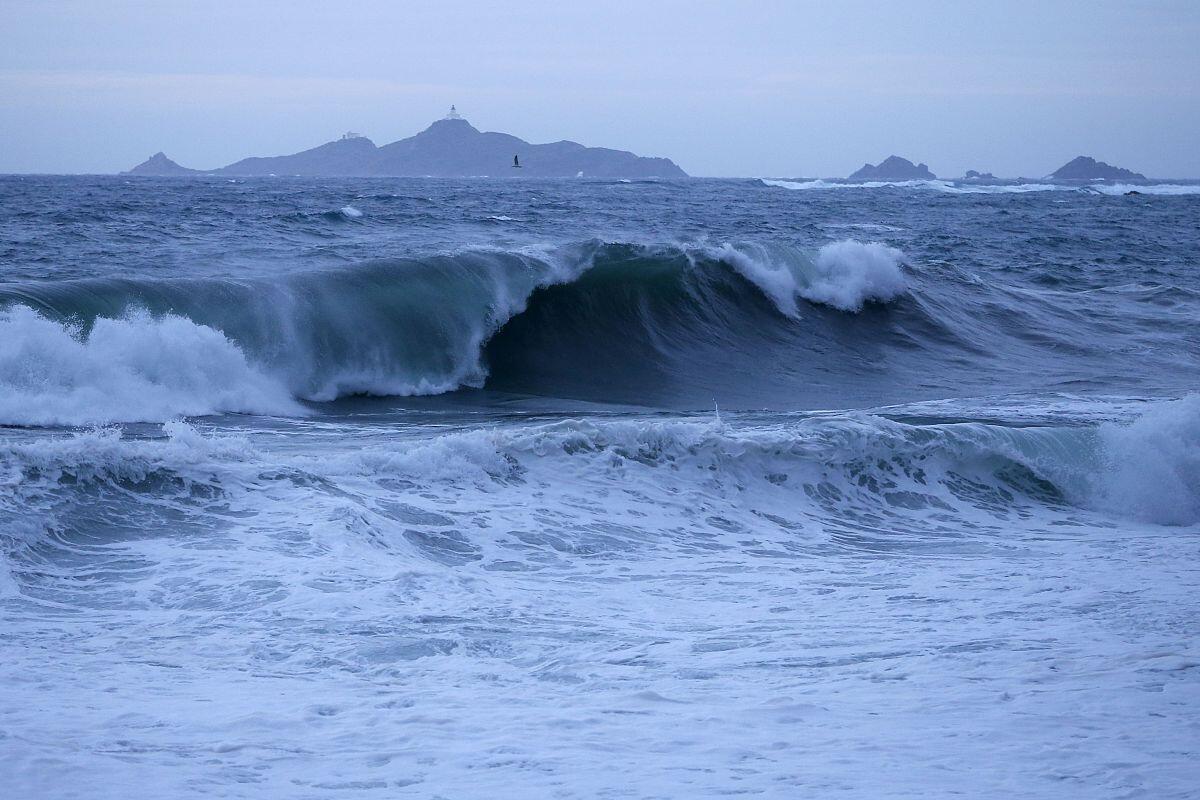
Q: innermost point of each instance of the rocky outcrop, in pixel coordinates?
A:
(1085, 168)
(981, 177)
(159, 164)
(893, 168)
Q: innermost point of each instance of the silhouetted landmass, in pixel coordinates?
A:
(349, 156)
(159, 164)
(1085, 168)
(450, 147)
(972, 175)
(893, 168)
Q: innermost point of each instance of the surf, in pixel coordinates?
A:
(98, 350)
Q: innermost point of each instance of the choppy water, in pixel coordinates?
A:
(461, 489)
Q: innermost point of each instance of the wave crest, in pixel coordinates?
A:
(136, 368)
(1151, 467)
(851, 273)
(118, 350)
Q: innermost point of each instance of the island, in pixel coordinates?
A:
(450, 147)
(981, 177)
(893, 168)
(159, 164)
(1085, 168)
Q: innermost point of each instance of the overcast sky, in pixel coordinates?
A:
(723, 88)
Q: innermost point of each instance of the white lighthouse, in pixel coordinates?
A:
(453, 114)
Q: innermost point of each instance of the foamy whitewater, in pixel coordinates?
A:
(577, 489)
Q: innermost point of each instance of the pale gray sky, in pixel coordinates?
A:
(724, 88)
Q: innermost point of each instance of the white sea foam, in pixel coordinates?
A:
(138, 368)
(351, 212)
(845, 275)
(1150, 469)
(984, 188)
(104, 454)
(851, 273)
(621, 580)
(1153, 188)
(814, 184)
(952, 187)
(833, 184)
(949, 187)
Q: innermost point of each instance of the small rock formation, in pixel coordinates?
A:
(972, 175)
(893, 168)
(1085, 168)
(159, 164)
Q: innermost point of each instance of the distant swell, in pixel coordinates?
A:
(955, 187)
(95, 351)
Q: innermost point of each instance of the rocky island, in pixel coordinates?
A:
(450, 147)
(1085, 168)
(893, 168)
(159, 164)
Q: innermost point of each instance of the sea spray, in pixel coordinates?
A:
(851, 273)
(135, 368)
(1150, 467)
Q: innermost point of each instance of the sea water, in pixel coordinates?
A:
(580, 488)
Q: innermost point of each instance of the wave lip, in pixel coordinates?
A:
(844, 275)
(851, 273)
(136, 368)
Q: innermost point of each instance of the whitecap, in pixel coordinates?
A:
(134, 369)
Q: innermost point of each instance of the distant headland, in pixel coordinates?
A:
(450, 147)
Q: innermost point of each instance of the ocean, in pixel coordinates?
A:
(383, 488)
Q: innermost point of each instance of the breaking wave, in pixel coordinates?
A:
(1156, 188)
(104, 350)
(1147, 468)
(1151, 468)
(823, 468)
(136, 368)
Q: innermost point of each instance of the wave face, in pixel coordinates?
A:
(398, 327)
(101, 350)
(745, 324)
